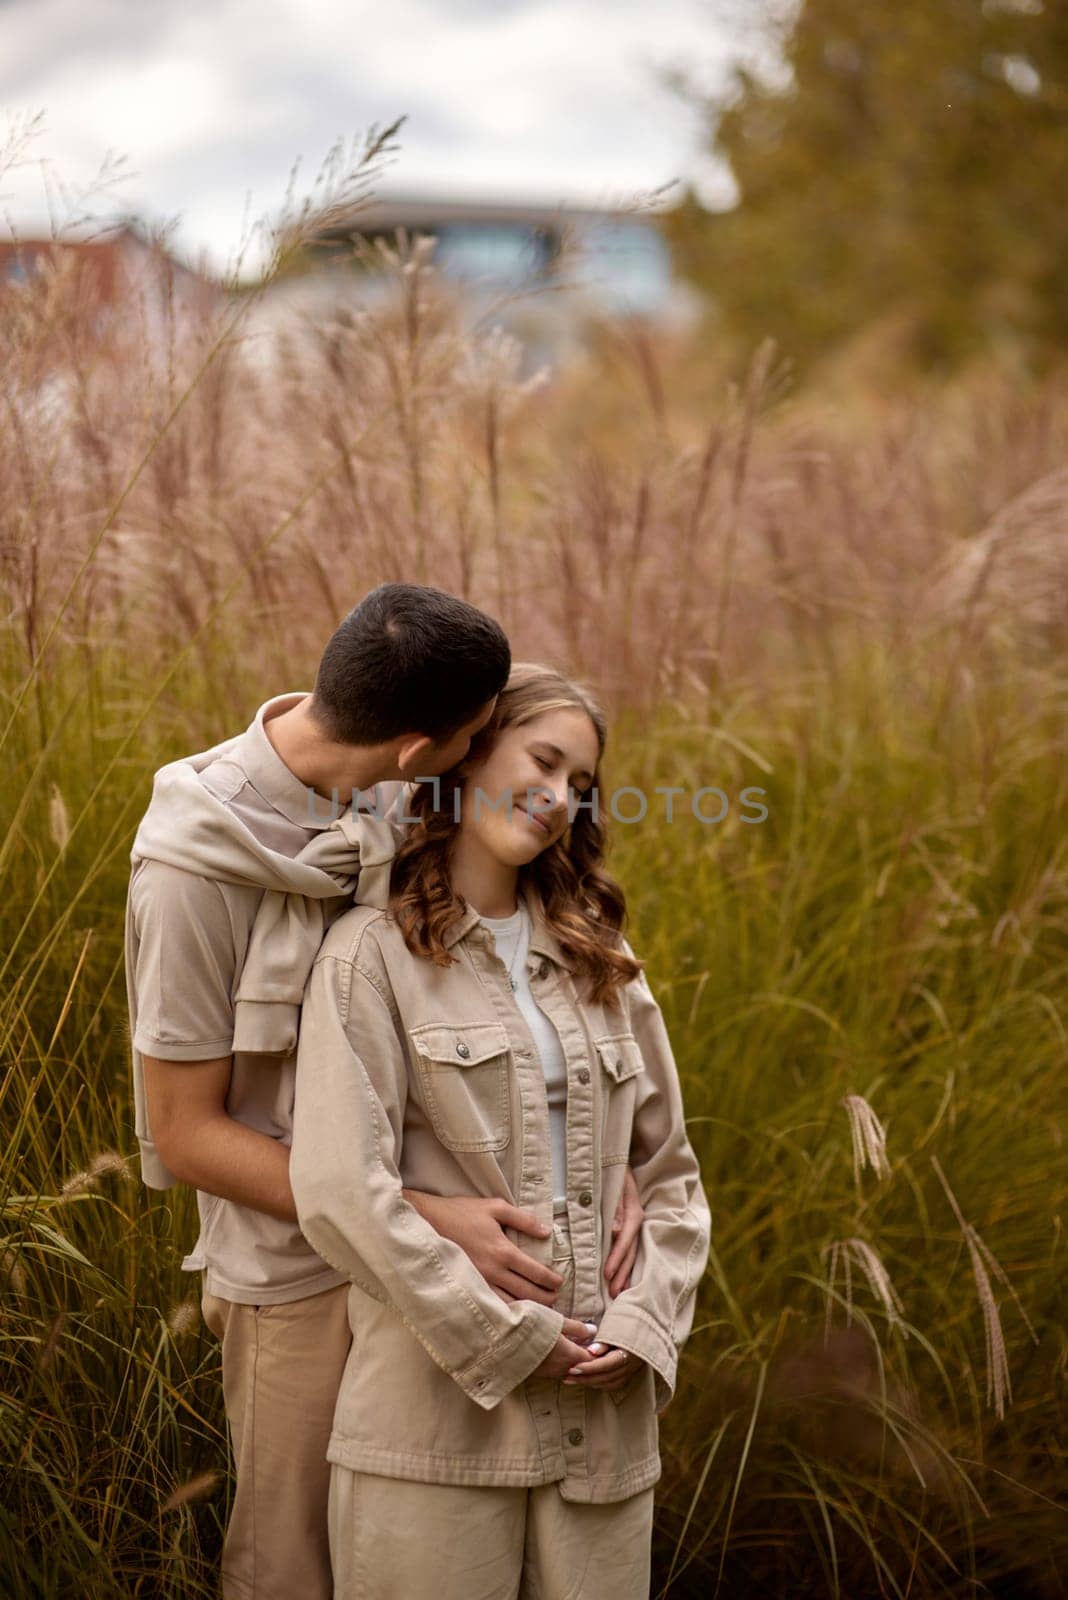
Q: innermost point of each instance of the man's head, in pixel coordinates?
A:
(415, 665)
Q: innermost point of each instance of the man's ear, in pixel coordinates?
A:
(410, 752)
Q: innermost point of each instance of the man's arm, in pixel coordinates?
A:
(181, 972)
(203, 1145)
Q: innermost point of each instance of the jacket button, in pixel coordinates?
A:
(585, 1198)
(462, 1050)
(583, 1074)
(575, 1436)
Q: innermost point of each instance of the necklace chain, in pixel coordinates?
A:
(518, 946)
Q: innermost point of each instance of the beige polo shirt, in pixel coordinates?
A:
(187, 937)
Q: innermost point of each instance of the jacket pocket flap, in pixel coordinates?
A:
(460, 1044)
(621, 1056)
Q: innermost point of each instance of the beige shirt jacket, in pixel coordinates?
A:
(414, 1075)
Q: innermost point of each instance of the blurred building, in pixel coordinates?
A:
(119, 278)
(541, 272)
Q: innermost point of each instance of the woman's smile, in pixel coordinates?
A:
(532, 817)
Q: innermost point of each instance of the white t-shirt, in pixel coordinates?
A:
(512, 937)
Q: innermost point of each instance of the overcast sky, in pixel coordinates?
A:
(211, 101)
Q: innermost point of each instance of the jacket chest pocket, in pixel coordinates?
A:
(620, 1059)
(464, 1073)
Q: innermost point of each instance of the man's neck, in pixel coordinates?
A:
(319, 763)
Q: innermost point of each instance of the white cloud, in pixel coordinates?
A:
(551, 98)
(156, 111)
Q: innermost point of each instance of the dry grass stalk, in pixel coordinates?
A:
(12, 1271)
(184, 1318)
(998, 1378)
(50, 1342)
(848, 1252)
(197, 1488)
(58, 819)
(869, 1137)
(103, 1163)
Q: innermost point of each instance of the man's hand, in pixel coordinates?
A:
(626, 1225)
(477, 1225)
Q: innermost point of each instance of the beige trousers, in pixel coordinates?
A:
(282, 1367)
(392, 1539)
(396, 1540)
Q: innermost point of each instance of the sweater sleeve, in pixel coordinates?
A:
(348, 1126)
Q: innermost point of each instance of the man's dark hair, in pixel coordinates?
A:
(408, 659)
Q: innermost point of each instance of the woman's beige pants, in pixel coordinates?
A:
(391, 1539)
(395, 1540)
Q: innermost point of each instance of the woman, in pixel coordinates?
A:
(492, 1034)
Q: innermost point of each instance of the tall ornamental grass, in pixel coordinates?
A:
(856, 617)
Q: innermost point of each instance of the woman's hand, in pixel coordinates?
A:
(611, 1368)
(563, 1355)
(626, 1225)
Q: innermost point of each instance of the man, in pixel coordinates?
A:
(406, 680)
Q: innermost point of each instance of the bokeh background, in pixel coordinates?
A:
(718, 350)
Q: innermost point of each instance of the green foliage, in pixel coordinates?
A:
(896, 929)
(908, 168)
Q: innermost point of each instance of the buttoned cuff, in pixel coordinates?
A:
(629, 1327)
(503, 1367)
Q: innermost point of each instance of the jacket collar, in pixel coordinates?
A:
(542, 939)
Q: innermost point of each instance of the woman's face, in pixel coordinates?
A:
(545, 756)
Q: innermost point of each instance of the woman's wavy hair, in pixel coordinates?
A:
(583, 905)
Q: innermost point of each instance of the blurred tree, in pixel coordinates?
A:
(907, 160)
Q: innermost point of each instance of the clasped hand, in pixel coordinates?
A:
(477, 1225)
(610, 1368)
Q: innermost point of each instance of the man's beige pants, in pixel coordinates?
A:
(282, 1369)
